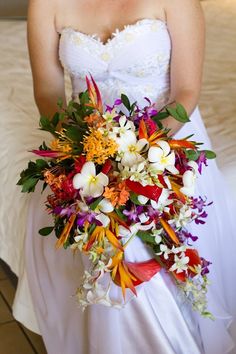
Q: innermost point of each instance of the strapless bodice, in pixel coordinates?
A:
(134, 61)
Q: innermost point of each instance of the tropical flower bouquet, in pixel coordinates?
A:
(115, 175)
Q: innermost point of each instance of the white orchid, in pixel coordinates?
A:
(180, 264)
(165, 251)
(189, 179)
(130, 149)
(80, 239)
(91, 184)
(157, 234)
(184, 216)
(109, 116)
(125, 125)
(162, 202)
(162, 158)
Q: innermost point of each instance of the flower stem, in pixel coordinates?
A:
(129, 240)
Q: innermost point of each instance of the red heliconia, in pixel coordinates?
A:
(151, 192)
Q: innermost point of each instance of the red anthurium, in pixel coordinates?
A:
(180, 276)
(162, 180)
(194, 260)
(151, 192)
(144, 271)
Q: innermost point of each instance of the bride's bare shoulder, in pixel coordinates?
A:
(42, 4)
(185, 7)
(185, 13)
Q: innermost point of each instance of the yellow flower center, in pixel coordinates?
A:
(132, 148)
(93, 179)
(164, 160)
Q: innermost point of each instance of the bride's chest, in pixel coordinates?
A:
(138, 50)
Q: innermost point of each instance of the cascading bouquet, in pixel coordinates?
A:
(117, 176)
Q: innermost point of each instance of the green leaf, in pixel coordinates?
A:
(134, 198)
(41, 164)
(125, 101)
(29, 185)
(74, 134)
(146, 237)
(192, 154)
(120, 214)
(60, 103)
(160, 116)
(91, 228)
(55, 119)
(45, 231)
(66, 244)
(94, 205)
(210, 154)
(178, 113)
(182, 112)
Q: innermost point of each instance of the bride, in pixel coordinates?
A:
(143, 49)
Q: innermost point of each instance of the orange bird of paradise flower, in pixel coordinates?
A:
(143, 133)
(94, 95)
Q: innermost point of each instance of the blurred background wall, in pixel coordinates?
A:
(13, 8)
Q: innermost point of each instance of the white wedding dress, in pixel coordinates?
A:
(135, 61)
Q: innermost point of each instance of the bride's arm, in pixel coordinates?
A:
(43, 40)
(187, 30)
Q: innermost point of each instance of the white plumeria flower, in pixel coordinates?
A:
(91, 184)
(161, 158)
(105, 206)
(189, 179)
(180, 264)
(130, 149)
(142, 199)
(104, 219)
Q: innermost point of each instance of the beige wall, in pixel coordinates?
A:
(13, 8)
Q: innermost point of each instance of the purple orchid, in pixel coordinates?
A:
(205, 265)
(198, 220)
(187, 235)
(90, 217)
(67, 211)
(201, 160)
(133, 214)
(199, 203)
